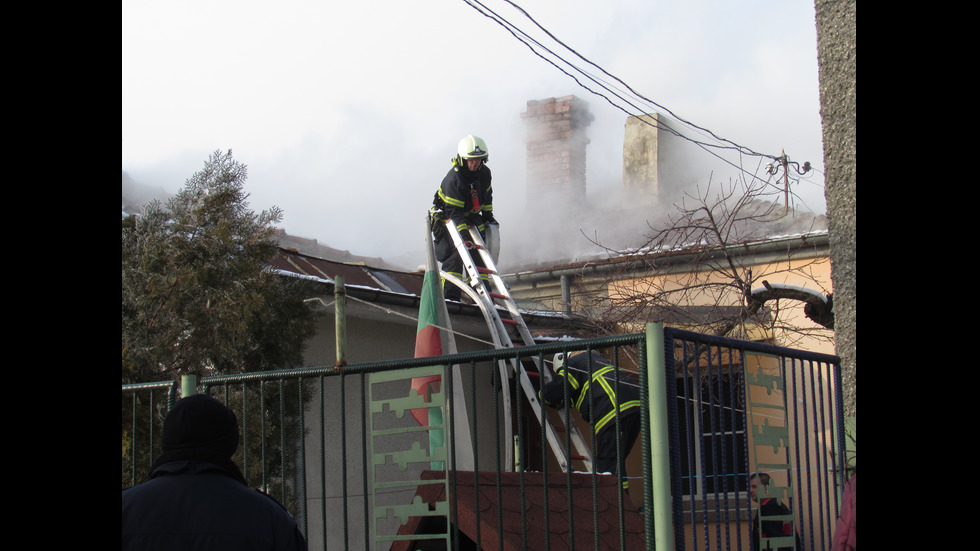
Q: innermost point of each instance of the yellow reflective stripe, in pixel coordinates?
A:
(450, 200)
(600, 378)
(628, 405)
(571, 380)
(605, 420)
(608, 417)
(596, 376)
(602, 371)
(581, 396)
(609, 391)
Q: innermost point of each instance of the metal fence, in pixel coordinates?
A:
(343, 452)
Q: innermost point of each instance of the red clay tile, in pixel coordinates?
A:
(562, 528)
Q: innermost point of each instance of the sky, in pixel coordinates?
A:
(348, 113)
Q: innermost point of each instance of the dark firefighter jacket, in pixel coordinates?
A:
(604, 399)
(466, 198)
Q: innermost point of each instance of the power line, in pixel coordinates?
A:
(634, 92)
(615, 91)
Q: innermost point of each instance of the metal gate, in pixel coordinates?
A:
(714, 411)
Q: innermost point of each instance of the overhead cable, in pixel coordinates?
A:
(527, 40)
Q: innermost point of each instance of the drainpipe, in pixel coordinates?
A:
(340, 321)
(566, 295)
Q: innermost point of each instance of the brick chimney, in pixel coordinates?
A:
(657, 164)
(556, 142)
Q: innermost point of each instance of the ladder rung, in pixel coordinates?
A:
(578, 457)
(507, 321)
(497, 295)
(532, 373)
(483, 270)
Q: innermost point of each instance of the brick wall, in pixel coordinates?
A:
(556, 150)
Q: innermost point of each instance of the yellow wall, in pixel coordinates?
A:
(711, 288)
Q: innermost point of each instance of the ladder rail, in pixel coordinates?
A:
(485, 300)
(526, 385)
(498, 333)
(578, 442)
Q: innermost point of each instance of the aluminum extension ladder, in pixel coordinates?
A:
(488, 295)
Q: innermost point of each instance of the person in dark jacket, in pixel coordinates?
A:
(769, 507)
(465, 197)
(196, 497)
(598, 399)
(845, 533)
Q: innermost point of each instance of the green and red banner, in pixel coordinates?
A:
(427, 339)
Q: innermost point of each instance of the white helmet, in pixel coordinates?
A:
(471, 147)
(558, 362)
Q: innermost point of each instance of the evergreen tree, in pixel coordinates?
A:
(197, 297)
(196, 294)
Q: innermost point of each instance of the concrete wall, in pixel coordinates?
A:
(837, 50)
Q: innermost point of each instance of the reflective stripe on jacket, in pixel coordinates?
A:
(605, 399)
(466, 197)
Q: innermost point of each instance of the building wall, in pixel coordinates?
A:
(714, 290)
(591, 285)
(837, 54)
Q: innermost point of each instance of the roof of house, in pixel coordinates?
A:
(566, 517)
(313, 247)
(400, 288)
(355, 274)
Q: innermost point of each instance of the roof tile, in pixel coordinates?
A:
(545, 508)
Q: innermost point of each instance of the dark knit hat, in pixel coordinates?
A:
(202, 425)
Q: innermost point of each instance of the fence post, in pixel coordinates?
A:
(659, 451)
(188, 385)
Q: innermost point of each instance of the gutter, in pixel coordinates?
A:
(781, 246)
(412, 302)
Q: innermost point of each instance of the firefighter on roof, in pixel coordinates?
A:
(598, 399)
(466, 198)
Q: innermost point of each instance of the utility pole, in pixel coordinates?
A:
(785, 183)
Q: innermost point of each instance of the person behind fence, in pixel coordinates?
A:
(768, 507)
(465, 196)
(845, 532)
(596, 398)
(196, 497)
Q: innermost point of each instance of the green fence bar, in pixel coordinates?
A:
(659, 437)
